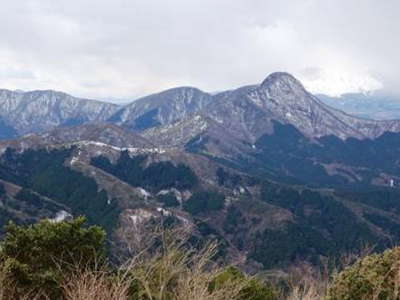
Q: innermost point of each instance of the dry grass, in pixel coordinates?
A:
(163, 267)
(95, 285)
(166, 268)
(306, 282)
(174, 271)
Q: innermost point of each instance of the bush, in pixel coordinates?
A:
(375, 276)
(65, 261)
(175, 270)
(252, 289)
(37, 257)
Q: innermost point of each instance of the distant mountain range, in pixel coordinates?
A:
(269, 170)
(376, 105)
(40, 111)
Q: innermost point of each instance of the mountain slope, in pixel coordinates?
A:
(266, 224)
(268, 170)
(38, 111)
(249, 111)
(162, 108)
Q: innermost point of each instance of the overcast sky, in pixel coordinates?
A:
(128, 48)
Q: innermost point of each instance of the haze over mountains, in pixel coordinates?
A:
(376, 105)
(257, 167)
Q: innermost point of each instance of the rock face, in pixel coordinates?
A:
(38, 111)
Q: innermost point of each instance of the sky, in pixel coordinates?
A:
(123, 49)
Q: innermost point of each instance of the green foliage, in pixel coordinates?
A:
(321, 226)
(45, 173)
(382, 198)
(233, 219)
(287, 152)
(295, 241)
(156, 176)
(5, 216)
(38, 256)
(373, 277)
(253, 289)
(385, 223)
(27, 196)
(201, 202)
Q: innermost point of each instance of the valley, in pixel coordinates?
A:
(269, 171)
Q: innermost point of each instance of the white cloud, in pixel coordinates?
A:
(123, 48)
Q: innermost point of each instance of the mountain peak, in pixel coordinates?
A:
(282, 78)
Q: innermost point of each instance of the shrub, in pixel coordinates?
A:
(38, 256)
(252, 289)
(376, 276)
(65, 261)
(175, 271)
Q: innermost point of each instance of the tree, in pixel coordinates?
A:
(37, 257)
(375, 276)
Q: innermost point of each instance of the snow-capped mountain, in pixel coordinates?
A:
(37, 111)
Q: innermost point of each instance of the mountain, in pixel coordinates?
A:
(376, 105)
(269, 171)
(280, 130)
(37, 111)
(6, 131)
(282, 98)
(162, 108)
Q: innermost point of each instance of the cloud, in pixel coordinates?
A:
(124, 49)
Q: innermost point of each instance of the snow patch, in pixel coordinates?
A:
(164, 212)
(60, 216)
(145, 194)
(140, 215)
(129, 149)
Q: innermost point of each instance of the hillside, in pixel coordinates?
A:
(269, 171)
